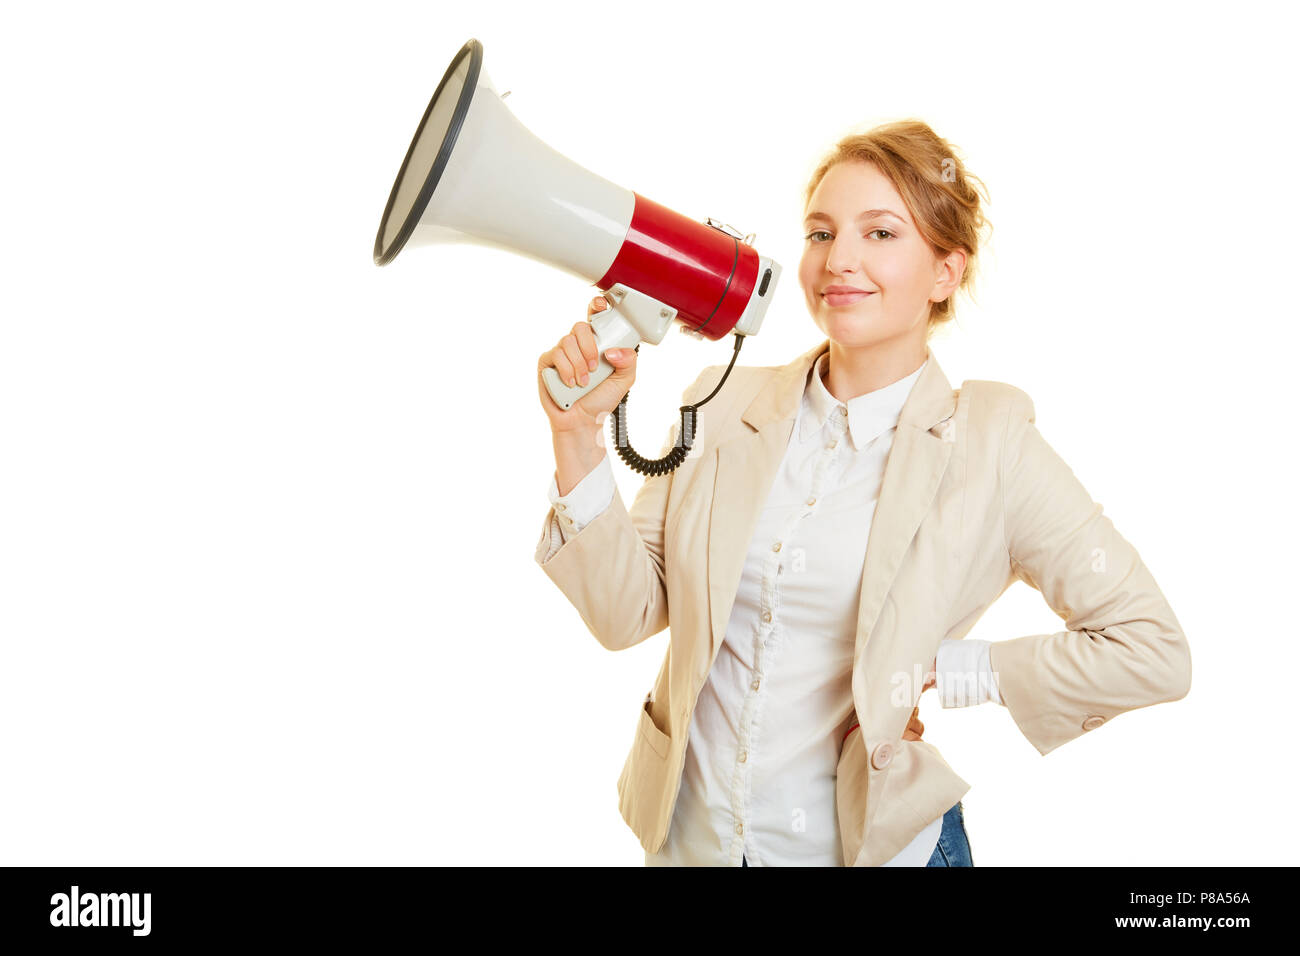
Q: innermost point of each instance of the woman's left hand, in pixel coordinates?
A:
(931, 675)
(914, 726)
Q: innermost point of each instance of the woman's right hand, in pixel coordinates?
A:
(573, 358)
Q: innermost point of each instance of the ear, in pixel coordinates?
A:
(948, 273)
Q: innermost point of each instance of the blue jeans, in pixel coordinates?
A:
(953, 849)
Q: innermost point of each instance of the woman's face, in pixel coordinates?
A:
(859, 235)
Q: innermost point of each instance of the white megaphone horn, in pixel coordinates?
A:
(474, 173)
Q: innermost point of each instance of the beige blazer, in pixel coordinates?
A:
(972, 499)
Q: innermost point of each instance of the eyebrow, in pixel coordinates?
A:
(866, 214)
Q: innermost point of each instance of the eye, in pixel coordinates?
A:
(874, 232)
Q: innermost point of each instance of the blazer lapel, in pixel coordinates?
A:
(747, 466)
(917, 462)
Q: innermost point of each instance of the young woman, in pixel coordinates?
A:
(840, 524)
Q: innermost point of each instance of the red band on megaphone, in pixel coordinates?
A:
(703, 273)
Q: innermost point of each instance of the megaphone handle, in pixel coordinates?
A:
(612, 331)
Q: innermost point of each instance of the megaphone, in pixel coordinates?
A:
(473, 173)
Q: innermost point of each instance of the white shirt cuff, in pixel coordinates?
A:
(964, 677)
(586, 502)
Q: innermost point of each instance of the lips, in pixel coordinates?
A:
(844, 298)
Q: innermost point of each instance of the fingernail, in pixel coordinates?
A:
(612, 354)
(591, 365)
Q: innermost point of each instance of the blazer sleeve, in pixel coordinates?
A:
(1123, 648)
(612, 571)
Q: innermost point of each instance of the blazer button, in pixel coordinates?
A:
(881, 756)
(1093, 722)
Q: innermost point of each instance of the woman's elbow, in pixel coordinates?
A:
(618, 632)
(1177, 668)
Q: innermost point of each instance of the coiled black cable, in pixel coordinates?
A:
(685, 438)
(682, 447)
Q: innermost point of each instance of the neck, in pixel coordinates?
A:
(852, 372)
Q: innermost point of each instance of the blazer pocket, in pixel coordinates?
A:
(656, 738)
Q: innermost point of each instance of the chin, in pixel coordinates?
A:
(849, 330)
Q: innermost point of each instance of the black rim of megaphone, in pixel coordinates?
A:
(474, 50)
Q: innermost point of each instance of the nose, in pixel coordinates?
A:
(842, 257)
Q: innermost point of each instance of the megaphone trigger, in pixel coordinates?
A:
(630, 319)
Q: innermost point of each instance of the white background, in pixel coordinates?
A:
(268, 512)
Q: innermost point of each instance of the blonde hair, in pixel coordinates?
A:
(940, 194)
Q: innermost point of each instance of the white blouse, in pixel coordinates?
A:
(765, 736)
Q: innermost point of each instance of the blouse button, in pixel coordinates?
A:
(833, 443)
(767, 615)
(811, 501)
(740, 828)
(777, 546)
(560, 506)
(743, 755)
(754, 686)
